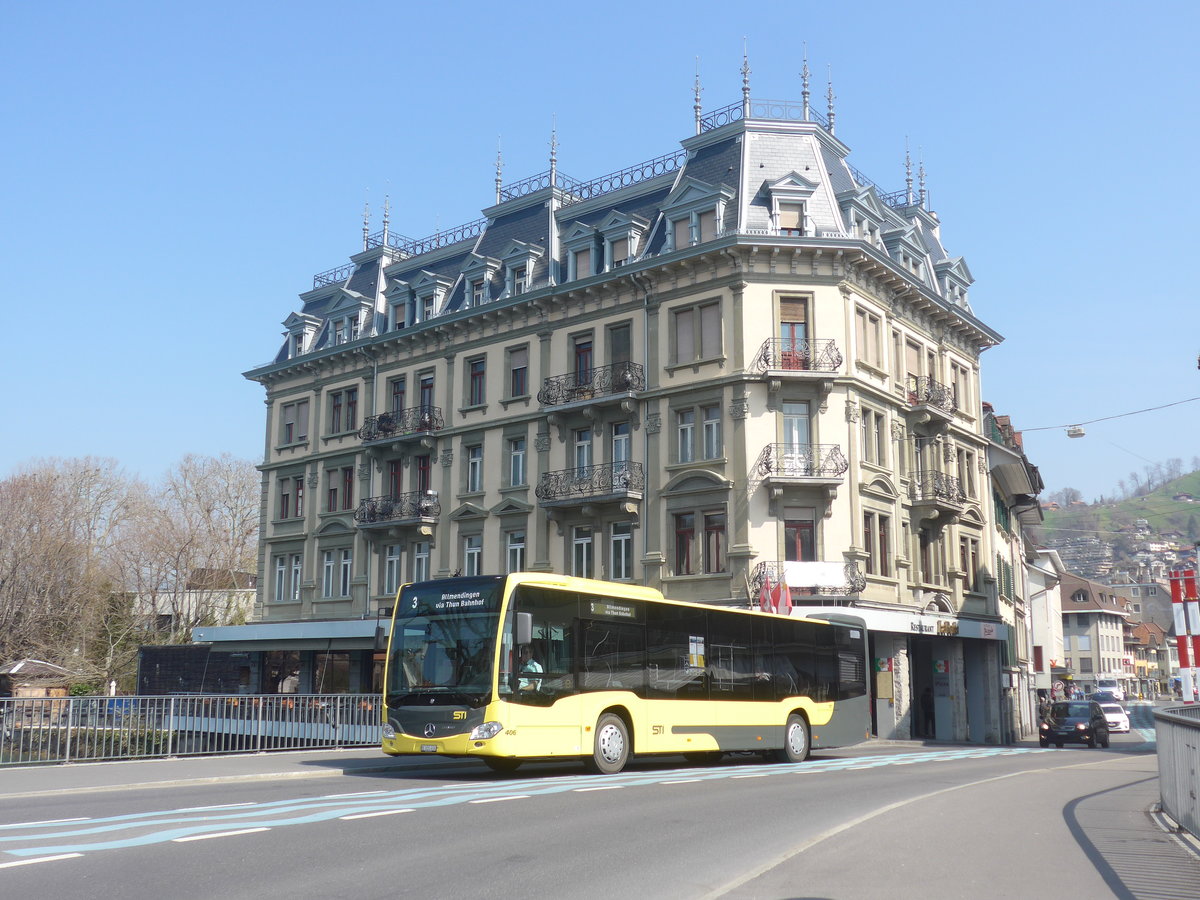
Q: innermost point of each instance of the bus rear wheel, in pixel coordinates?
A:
(795, 740)
(502, 763)
(610, 750)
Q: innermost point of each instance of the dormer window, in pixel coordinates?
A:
(619, 250)
(581, 263)
(695, 210)
(426, 309)
(297, 347)
(301, 328)
(791, 219)
(478, 274)
(517, 280)
(478, 292)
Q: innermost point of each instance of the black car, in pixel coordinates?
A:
(1075, 722)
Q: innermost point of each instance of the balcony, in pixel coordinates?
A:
(929, 401)
(602, 385)
(413, 509)
(799, 465)
(401, 425)
(935, 495)
(609, 483)
(785, 359)
(810, 579)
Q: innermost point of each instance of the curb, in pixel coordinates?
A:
(1189, 841)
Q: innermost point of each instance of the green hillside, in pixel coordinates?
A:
(1107, 520)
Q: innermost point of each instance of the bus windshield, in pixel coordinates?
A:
(443, 641)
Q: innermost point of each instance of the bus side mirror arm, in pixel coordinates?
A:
(524, 628)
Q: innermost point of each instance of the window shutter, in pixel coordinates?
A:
(583, 263)
(620, 251)
(793, 309)
(685, 336)
(710, 331)
(790, 217)
(683, 236)
(708, 225)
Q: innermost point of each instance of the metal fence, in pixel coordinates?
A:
(85, 729)
(1177, 733)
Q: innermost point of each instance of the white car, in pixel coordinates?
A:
(1118, 719)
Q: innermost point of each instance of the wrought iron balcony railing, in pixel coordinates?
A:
(1004, 435)
(810, 579)
(600, 381)
(801, 461)
(610, 479)
(924, 391)
(401, 423)
(936, 487)
(411, 506)
(791, 355)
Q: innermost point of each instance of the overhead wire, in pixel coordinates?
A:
(1135, 412)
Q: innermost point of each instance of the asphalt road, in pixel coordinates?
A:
(873, 821)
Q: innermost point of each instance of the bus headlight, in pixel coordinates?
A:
(486, 731)
(389, 733)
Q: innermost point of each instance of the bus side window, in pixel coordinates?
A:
(792, 660)
(614, 657)
(730, 662)
(676, 653)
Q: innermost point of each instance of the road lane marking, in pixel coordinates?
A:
(40, 859)
(216, 834)
(755, 775)
(221, 806)
(603, 787)
(499, 799)
(44, 822)
(372, 815)
(345, 796)
(681, 781)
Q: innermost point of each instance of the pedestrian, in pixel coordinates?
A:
(291, 684)
(927, 712)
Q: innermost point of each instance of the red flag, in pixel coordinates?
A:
(764, 593)
(783, 596)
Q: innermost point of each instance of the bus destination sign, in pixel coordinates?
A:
(611, 609)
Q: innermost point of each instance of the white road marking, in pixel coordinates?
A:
(681, 781)
(44, 822)
(604, 787)
(499, 799)
(756, 775)
(218, 834)
(372, 815)
(40, 859)
(222, 806)
(359, 794)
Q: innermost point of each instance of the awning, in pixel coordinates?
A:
(900, 622)
(329, 634)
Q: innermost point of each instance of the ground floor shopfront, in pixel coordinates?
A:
(936, 676)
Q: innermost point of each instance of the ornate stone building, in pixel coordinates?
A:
(741, 360)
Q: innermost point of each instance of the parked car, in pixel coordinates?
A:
(1075, 722)
(1118, 719)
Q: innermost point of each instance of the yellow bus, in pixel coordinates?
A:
(535, 666)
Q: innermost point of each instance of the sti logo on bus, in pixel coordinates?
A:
(460, 714)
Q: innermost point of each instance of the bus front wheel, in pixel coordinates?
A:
(610, 751)
(795, 741)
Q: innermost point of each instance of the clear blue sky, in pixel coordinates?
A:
(172, 176)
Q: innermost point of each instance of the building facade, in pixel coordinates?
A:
(735, 362)
(1096, 629)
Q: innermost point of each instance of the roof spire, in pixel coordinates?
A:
(829, 98)
(366, 222)
(499, 169)
(696, 103)
(387, 208)
(554, 151)
(908, 194)
(921, 175)
(745, 81)
(804, 73)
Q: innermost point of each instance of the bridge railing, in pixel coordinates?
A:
(84, 729)
(1177, 736)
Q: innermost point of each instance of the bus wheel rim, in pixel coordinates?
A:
(796, 738)
(612, 746)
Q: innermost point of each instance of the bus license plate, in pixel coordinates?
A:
(429, 748)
